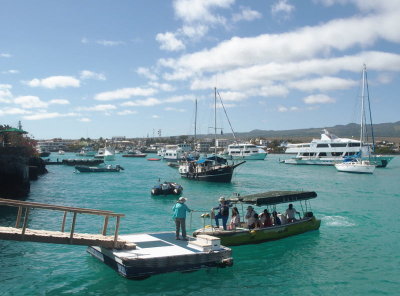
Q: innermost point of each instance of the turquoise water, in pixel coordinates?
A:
(355, 252)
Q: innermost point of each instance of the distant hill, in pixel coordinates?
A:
(381, 130)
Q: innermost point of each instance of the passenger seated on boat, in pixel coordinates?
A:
(276, 219)
(223, 212)
(265, 219)
(250, 216)
(291, 213)
(257, 223)
(235, 220)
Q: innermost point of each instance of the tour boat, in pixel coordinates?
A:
(245, 151)
(242, 235)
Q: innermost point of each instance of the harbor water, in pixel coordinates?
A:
(355, 251)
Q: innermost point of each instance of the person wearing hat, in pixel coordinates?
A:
(223, 212)
(180, 209)
(251, 217)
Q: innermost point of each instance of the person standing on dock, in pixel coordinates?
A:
(180, 209)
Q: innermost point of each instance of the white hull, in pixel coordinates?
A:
(355, 167)
(257, 156)
(379, 161)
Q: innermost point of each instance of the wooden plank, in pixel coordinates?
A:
(18, 217)
(57, 237)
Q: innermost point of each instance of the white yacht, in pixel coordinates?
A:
(245, 151)
(177, 152)
(331, 149)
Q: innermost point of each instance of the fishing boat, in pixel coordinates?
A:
(358, 164)
(106, 169)
(167, 188)
(243, 235)
(213, 168)
(106, 153)
(87, 151)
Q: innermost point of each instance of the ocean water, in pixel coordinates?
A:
(355, 252)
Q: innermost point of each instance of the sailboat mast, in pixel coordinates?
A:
(362, 109)
(195, 124)
(215, 121)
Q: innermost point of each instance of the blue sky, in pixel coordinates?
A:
(97, 68)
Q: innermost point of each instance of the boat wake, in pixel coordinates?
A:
(337, 221)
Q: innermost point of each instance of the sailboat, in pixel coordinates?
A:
(358, 164)
(213, 168)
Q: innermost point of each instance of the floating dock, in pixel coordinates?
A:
(157, 253)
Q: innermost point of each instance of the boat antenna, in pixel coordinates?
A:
(226, 114)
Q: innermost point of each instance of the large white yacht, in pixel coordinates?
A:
(106, 153)
(173, 153)
(331, 149)
(245, 151)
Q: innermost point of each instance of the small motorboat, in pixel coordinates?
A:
(167, 188)
(106, 169)
(153, 159)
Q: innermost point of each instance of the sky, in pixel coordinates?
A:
(106, 68)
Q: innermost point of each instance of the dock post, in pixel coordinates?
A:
(105, 225)
(63, 222)
(72, 228)
(25, 222)
(18, 217)
(116, 231)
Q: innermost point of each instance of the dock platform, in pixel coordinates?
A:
(157, 253)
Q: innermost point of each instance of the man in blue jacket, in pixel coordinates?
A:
(180, 209)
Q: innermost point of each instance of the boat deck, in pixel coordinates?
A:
(157, 253)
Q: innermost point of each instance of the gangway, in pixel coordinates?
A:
(23, 233)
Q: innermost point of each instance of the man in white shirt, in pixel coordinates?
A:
(290, 213)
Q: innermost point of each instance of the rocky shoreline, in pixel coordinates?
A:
(17, 169)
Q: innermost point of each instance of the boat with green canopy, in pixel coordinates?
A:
(241, 234)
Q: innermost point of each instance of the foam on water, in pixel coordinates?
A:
(337, 221)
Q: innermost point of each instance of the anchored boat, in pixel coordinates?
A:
(167, 188)
(243, 235)
(107, 169)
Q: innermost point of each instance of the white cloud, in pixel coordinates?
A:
(5, 55)
(169, 42)
(127, 112)
(109, 42)
(143, 103)
(13, 111)
(105, 107)
(174, 109)
(5, 93)
(30, 102)
(177, 99)
(200, 10)
(193, 31)
(155, 116)
(319, 99)
(84, 40)
(124, 93)
(54, 82)
(323, 84)
(84, 119)
(59, 102)
(282, 7)
(246, 14)
(287, 109)
(11, 71)
(162, 86)
(146, 72)
(86, 74)
(39, 116)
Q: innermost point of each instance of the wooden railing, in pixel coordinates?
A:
(24, 208)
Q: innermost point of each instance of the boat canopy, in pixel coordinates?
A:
(274, 197)
(212, 158)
